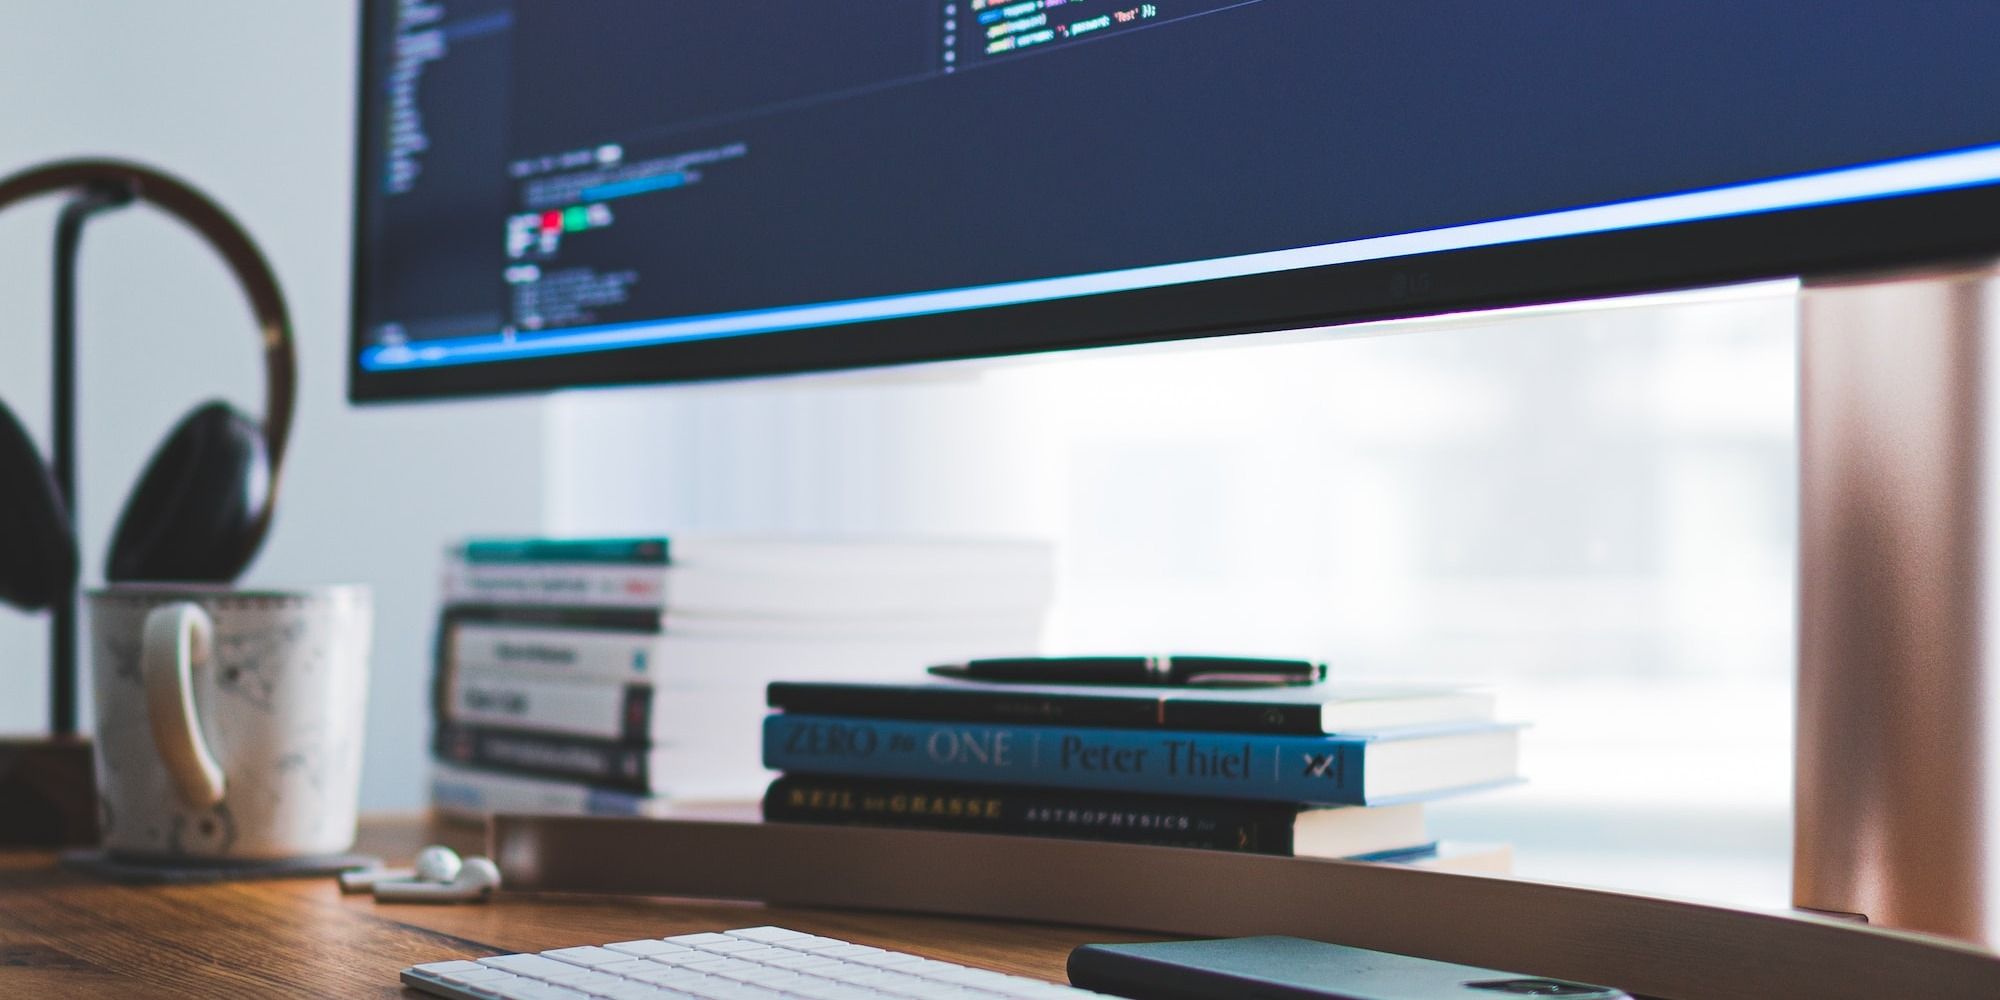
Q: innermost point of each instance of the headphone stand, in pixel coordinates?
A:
(48, 791)
(62, 437)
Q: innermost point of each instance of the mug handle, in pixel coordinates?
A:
(178, 638)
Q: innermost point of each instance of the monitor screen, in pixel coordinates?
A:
(554, 193)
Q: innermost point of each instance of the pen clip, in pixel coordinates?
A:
(1221, 679)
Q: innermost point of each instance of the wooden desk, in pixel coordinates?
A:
(68, 934)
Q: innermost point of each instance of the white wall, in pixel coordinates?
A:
(927, 450)
(253, 102)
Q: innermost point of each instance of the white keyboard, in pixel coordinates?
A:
(754, 963)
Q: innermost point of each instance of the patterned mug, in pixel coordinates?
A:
(229, 722)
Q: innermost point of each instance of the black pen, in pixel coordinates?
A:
(1241, 671)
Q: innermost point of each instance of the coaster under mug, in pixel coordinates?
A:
(185, 871)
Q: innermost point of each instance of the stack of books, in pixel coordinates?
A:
(1322, 770)
(617, 676)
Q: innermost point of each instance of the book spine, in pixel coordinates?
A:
(577, 654)
(641, 551)
(1323, 770)
(1212, 824)
(470, 793)
(606, 764)
(597, 709)
(644, 620)
(557, 583)
(1042, 709)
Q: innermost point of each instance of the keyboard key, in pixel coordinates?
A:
(724, 966)
(588, 956)
(886, 960)
(827, 990)
(847, 973)
(641, 991)
(963, 976)
(848, 951)
(629, 966)
(684, 958)
(764, 976)
(731, 947)
(723, 989)
(891, 982)
(638, 991)
(764, 953)
(476, 974)
(533, 966)
(440, 968)
(647, 947)
(528, 989)
(486, 985)
(800, 961)
(811, 943)
(594, 980)
(767, 934)
(670, 978)
(694, 939)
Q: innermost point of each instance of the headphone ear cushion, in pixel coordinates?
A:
(198, 513)
(37, 555)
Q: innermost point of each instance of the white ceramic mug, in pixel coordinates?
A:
(229, 722)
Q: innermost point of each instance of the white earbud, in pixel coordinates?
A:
(472, 879)
(434, 864)
(438, 864)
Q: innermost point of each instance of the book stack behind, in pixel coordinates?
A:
(619, 676)
(1322, 770)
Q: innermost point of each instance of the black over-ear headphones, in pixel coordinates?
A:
(203, 505)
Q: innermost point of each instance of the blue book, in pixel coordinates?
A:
(650, 551)
(1372, 769)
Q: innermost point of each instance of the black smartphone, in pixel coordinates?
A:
(1288, 968)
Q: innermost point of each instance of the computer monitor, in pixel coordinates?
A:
(556, 194)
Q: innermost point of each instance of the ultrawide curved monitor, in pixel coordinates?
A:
(553, 193)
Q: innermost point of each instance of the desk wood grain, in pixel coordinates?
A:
(66, 934)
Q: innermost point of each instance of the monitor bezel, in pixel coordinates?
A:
(1856, 236)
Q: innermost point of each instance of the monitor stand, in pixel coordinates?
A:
(1897, 789)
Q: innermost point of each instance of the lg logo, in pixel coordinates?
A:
(1406, 284)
